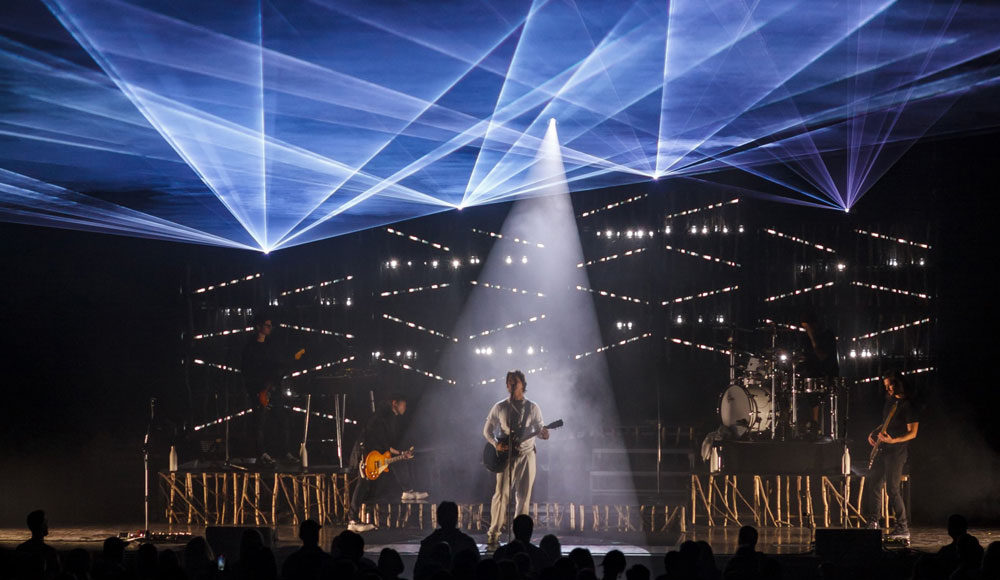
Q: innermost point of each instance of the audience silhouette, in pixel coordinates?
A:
(450, 554)
(35, 558)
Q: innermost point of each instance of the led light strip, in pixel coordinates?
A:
(221, 420)
(892, 239)
(913, 372)
(506, 326)
(502, 237)
(611, 257)
(701, 295)
(613, 295)
(198, 361)
(613, 345)
(774, 232)
(783, 325)
(222, 333)
(703, 256)
(416, 326)
(893, 290)
(514, 290)
(416, 370)
(321, 367)
(613, 205)
(320, 285)
(891, 329)
(318, 414)
(412, 290)
(698, 209)
(224, 284)
(527, 372)
(799, 291)
(699, 346)
(420, 240)
(315, 330)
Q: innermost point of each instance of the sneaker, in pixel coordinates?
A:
(411, 495)
(360, 528)
(899, 533)
(292, 458)
(871, 525)
(492, 541)
(266, 459)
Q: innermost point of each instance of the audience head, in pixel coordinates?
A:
(38, 524)
(198, 556)
(390, 563)
(613, 563)
(349, 546)
(957, 526)
(250, 542)
(550, 545)
(582, 558)
(637, 572)
(672, 564)
(114, 550)
(309, 532)
(447, 515)
(524, 526)
(747, 537)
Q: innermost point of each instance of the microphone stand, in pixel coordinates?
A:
(145, 466)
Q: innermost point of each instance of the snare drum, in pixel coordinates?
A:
(751, 404)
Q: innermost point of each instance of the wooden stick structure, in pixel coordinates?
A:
(777, 500)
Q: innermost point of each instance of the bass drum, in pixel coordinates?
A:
(750, 404)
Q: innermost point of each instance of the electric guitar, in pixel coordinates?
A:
(376, 463)
(496, 461)
(264, 395)
(874, 435)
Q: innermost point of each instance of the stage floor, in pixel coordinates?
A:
(788, 541)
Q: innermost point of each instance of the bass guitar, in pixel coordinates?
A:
(376, 463)
(874, 435)
(496, 461)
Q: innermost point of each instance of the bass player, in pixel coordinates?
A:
(899, 417)
(512, 417)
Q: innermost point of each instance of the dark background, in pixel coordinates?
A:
(94, 325)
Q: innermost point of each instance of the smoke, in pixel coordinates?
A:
(526, 312)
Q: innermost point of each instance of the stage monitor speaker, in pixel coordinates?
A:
(848, 547)
(225, 540)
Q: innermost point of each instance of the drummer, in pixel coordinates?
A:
(818, 360)
(819, 348)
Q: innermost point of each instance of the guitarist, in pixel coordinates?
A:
(382, 433)
(512, 417)
(262, 369)
(900, 429)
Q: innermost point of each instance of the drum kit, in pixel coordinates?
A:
(769, 396)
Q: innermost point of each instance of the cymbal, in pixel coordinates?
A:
(732, 328)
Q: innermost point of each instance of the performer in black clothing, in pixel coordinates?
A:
(382, 434)
(819, 348)
(262, 369)
(888, 466)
